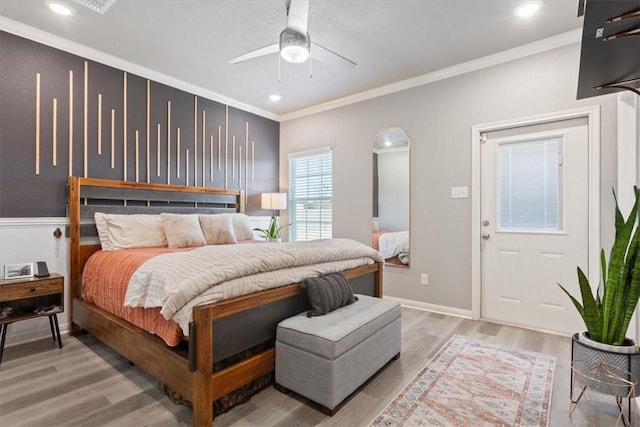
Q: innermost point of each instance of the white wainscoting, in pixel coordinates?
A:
(31, 240)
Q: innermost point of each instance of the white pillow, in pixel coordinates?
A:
(183, 231)
(241, 226)
(101, 226)
(217, 229)
(132, 231)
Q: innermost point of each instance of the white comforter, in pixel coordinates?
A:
(179, 281)
(394, 244)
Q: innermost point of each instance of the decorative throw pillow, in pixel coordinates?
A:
(217, 229)
(131, 231)
(327, 293)
(241, 226)
(183, 231)
(101, 226)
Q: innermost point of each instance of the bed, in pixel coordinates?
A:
(217, 330)
(393, 245)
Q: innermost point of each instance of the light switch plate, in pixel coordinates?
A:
(459, 192)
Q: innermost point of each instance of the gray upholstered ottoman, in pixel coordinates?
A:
(327, 358)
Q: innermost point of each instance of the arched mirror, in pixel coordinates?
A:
(391, 189)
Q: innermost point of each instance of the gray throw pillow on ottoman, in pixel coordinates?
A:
(328, 293)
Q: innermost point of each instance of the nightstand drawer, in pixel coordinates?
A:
(13, 291)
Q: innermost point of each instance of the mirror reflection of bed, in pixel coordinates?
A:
(391, 189)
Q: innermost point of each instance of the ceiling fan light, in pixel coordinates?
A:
(294, 46)
(295, 54)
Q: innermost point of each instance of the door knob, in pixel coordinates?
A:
(485, 236)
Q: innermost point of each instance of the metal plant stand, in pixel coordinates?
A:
(605, 372)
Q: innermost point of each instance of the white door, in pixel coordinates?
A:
(535, 219)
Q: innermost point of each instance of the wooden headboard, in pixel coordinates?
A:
(86, 196)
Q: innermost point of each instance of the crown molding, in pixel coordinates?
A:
(550, 43)
(40, 36)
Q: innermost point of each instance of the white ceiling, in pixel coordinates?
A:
(390, 40)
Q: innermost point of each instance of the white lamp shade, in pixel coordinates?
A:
(274, 201)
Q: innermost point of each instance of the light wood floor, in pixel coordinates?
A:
(87, 384)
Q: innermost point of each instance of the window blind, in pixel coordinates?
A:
(310, 194)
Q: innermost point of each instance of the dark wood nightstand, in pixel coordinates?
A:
(22, 299)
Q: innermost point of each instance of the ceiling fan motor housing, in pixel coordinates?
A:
(294, 46)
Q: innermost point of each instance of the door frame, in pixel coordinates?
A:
(592, 114)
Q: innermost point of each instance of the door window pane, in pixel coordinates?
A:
(529, 185)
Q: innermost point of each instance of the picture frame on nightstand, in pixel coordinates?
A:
(18, 271)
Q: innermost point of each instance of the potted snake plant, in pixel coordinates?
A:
(607, 314)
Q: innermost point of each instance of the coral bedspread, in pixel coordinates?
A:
(105, 281)
(149, 285)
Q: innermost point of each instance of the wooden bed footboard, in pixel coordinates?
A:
(190, 375)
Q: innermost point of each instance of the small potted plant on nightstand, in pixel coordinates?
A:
(271, 233)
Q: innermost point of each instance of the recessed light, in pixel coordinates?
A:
(388, 143)
(275, 97)
(60, 8)
(527, 10)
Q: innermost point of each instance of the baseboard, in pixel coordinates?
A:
(433, 308)
(34, 335)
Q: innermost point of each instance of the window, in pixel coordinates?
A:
(310, 192)
(529, 185)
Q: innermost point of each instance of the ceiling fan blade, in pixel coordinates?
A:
(298, 15)
(327, 56)
(274, 48)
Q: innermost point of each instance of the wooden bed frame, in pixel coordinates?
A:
(188, 373)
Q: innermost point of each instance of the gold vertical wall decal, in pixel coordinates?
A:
(137, 157)
(253, 161)
(219, 149)
(113, 138)
(37, 123)
(246, 161)
(148, 130)
(124, 125)
(195, 142)
(240, 167)
(70, 122)
(85, 119)
(168, 142)
(186, 173)
(211, 158)
(148, 160)
(99, 123)
(158, 151)
(178, 154)
(233, 158)
(226, 145)
(54, 136)
(204, 138)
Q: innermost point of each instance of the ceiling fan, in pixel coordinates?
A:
(295, 45)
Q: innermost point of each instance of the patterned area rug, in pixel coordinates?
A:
(475, 383)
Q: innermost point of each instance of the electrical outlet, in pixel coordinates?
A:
(424, 279)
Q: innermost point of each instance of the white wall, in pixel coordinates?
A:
(438, 118)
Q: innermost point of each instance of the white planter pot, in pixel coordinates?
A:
(628, 347)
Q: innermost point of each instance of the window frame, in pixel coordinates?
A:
(322, 198)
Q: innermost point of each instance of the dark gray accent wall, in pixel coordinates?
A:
(23, 193)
